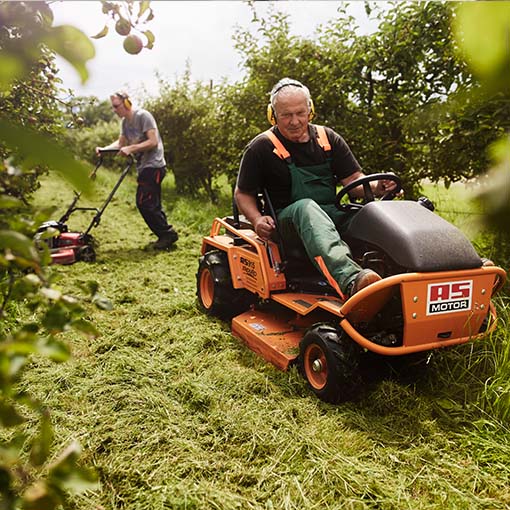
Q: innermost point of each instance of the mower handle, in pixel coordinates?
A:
(112, 151)
(100, 160)
(106, 151)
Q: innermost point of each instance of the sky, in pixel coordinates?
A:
(194, 33)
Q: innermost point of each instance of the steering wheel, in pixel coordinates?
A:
(367, 191)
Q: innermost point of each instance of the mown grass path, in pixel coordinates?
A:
(176, 414)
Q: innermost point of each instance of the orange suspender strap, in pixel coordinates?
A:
(329, 277)
(279, 149)
(322, 138)
(283, 153)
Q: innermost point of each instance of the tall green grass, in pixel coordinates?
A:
(175, 413)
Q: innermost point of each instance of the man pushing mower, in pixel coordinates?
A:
(140, 137)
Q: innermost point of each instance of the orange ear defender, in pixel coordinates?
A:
(272, 119)
(125, 99)
(284, 82)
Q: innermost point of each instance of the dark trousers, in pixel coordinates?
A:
(148, 200)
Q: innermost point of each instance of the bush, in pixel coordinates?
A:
(85, 140)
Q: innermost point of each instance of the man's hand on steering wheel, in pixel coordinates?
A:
(387, 187)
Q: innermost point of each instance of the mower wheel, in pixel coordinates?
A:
(329, 361)
(215, 292)
(86, 254)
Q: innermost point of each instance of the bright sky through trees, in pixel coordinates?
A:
(195, 32)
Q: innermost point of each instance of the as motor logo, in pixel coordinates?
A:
(449, 297)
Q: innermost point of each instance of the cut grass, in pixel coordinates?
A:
(175, 413)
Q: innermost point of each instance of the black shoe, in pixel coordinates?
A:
(364, 278)
(166, 241)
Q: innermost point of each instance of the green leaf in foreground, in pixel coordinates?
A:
(9, 416)
(73, 45)
(483, 30)
(11, 68)
(42, 443)
(19, 244)
(67, 474)
(37, 149)
(101, 34)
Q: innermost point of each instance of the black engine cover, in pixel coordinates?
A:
(413, 236)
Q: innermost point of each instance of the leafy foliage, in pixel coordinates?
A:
(92, 111)
(402, 97)
(187, 117)
(86, 139)
(33, 313)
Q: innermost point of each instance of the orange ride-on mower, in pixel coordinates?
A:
(70, 247)
(435, 291)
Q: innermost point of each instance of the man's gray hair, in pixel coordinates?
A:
(288, 85)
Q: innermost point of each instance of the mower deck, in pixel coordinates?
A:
(275, 332)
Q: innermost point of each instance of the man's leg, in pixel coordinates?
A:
(305, 220)
(148, 201)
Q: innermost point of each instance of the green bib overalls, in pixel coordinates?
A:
(313, 220)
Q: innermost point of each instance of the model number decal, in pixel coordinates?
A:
(248, 267)
(449, 297)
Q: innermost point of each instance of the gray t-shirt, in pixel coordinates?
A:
(135, 132)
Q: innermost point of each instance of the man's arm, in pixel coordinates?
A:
(379, 188)
(247, 205)
(117, 144)
(146, 145)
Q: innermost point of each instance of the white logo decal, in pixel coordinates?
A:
(449, 297)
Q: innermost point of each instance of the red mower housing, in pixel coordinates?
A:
(70, 247)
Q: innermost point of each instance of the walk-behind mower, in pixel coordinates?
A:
(435, 291)
(70, 247)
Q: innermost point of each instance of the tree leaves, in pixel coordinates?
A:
(73, 45)
(29, 97)
(36, 149)
(150, 39)
(102, 33)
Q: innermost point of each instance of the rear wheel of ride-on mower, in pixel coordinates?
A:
(329, 361)
(215, 292)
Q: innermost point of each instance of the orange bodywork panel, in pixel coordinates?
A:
(439, 309)
(273, 336)
(254, 264)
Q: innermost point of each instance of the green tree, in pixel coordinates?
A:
(91, 110)
(187, 117)
(384, 92)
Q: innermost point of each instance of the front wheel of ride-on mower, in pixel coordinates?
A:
(329, 361)
(215, 292)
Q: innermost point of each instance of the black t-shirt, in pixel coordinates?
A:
(262, 168)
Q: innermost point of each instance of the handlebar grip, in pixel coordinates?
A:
(108, 151)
